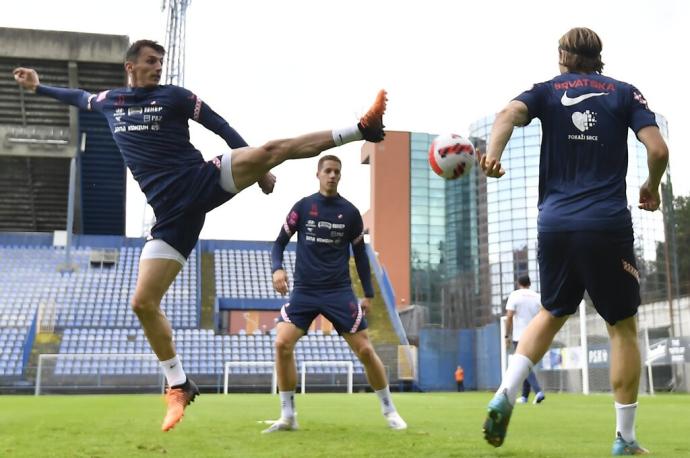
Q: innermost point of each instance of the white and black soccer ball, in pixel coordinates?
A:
(451, 156)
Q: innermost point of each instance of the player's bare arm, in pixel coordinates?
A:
(514, 114)
(657, 159)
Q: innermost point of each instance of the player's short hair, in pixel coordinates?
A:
(329, 157)
(523, 280)
(581, 50)
(136, 47)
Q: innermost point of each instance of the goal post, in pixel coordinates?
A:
(98, 371)
(346, 364)
(239, 364)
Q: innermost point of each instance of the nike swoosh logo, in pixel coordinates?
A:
(568, 102)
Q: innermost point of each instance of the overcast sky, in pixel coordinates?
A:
(281, 68)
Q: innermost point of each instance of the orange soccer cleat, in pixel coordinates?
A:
(177, 399)
(371, 124)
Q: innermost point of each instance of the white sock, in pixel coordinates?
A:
(174, 373)
(517, 372)
(346, 135)
(287, 404)
(384, 395)
(625, 420)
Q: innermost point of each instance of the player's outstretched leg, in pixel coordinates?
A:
(178, 398)
(496, 424)
(532, 346)
(248, 165)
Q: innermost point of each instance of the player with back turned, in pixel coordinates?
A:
(585, 232)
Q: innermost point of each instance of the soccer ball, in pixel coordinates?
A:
(451, 156)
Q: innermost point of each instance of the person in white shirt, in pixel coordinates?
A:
(523, 305)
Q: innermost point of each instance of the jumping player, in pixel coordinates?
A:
(149, 123)
(585, 227)
(327, 225)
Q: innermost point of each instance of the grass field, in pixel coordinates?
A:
(440, 424)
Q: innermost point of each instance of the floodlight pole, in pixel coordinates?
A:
(70, 212)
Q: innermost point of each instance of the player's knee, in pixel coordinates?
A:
(366, 353)
(142, 305)
(284, 347)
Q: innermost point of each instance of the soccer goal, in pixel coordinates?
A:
(248, 367)
(328, 364)
(98, 373)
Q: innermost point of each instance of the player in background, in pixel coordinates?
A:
(327, 225)
(149, 123)
(523, 304)
(585, 226)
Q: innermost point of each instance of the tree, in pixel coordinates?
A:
(679, 222)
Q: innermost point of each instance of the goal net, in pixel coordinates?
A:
(330, 368)
(98, 373)
(249, 374)
(252, 376)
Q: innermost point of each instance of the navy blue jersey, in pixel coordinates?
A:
(326, 228)
(150, 127)
(584, 150)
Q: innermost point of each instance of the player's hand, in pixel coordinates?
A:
(26, 78)
(365, 303)
(649, 198)
(491, 167)
(280, 281)
(267, 183)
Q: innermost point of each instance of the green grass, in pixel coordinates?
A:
(332, 425)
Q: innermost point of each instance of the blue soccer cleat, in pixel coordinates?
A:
(497, 419)
(622, 447)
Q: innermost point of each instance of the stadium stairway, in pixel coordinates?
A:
(45, 343)
(381, 331)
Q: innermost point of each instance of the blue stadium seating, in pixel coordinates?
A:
(90, 306)
(88, 297)
(247, 273)
(12, 340)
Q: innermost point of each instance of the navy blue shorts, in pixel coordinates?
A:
(196, 193)
(340, 307)
(599, 262)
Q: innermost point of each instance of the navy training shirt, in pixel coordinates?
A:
(150, 127)
(326, 228)
(584, 149)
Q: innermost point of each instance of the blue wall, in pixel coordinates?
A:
(438, 358)
(476, 350)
